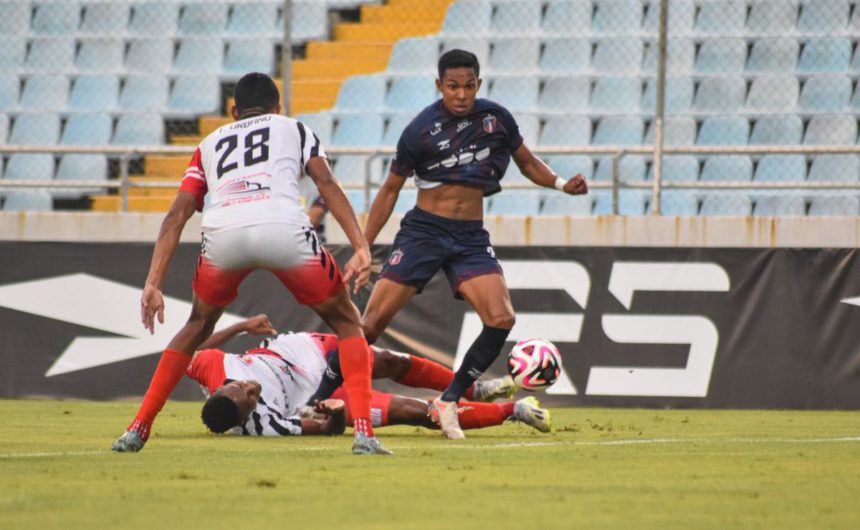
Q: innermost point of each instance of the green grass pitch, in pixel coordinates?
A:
(600, 468)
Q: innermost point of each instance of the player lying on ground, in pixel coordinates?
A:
(264, 391)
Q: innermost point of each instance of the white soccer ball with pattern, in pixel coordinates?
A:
(535, 364)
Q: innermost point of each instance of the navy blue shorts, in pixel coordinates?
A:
(427, 243)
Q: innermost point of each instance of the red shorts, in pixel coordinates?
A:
(379, 403)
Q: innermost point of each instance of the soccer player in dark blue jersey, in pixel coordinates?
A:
(458, 149)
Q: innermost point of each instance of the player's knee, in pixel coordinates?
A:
(501, 320)
(388, 365)
(371, 329)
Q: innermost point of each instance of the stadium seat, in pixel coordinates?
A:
(394, 129)
(831, 130)
(54, 55)
(4, 133)
(194, 95)
(139, 129)
(616, 95)
(721, 56)
(781, 168)
(149, 56)
(310, 21)
(358, 130)
(730, 204)
(15, 18)
(721, 17)
(676, 131)
(723, 95)
(94, 93)
(357, 200)
(36, 129)
(564, 204)
(681, 17)
(630, 202)
(30, 167)
(621, 55)
(529, 126)
(10, 90)
(724, 130)
(679, 95)
(155, 18)
(144, 94)
(257, 19)
(87, 129)
(772, 94)
(406, 200)
(830, 205)
(772, 17)
(617, 16)
(479, 46)
(515, 202)
(727, 167)
(106, 18)
(771, 205)
(202, 55)
(567, 17)
(631, 168)
(514, 55)
(28, 200)
(249, 55)
(516, 16)
(773, 56)
(320, 123)
(101, 55)
(468, 16)
(414, 55)
(621, 130)
(680, 57)
(411, 93)
(777, 130)
(823, 16)
(821, 55)
(56, 18)
(826, 93)
(566, 56)
(566, 131)
(80, 167)
(568, 166)
(351, 169)
(517, 94)
(44, 92)
(362, 93)
(677, 202)
(567, 95)
(14, 53)
(209, 18)
(677, 168)
(840, 168)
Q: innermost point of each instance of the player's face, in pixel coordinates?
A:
(245, 394)
(459, 88)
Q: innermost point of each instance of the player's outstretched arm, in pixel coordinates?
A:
(541, 174)
(358, 267)
(383, 205)
(152, 301)
(333, 424)
(257, 325)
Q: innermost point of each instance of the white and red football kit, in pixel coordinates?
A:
(245, 177)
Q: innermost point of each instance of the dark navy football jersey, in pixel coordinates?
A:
(474, 149)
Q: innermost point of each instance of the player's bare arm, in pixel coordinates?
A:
(333, 422)
(383, 205)
(256, 325)
(152, 301)
(541, 174)
(358, 267)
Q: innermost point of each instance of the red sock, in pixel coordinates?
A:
(424, 373)
(356, 364)
(168, 373)
(477, 415)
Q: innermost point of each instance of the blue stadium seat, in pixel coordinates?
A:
(87, 129)
(568, 166)
(394, 129)
(728, 204)
(45, 92)
(621, 130)
(4, 133)
(414, 55)
(194, 95)
(772, 94)
(777, 130)
(362, 93)
(515, 202)
(144, 94)
(781, 168)
(831, 205)
(727, 167)
(514, 55)
(516, 16)
(101, 55)
(677, 168)
(772, 17)
(617, 16)
(681, 17)
(724, 130)
(855, 102)
(310, 21)
(566, 56)
(478, 45)
(139, 129)
(826, 93)
(770, 205)
(249, 55)
(529, 126)
(351, 169)
(680, 57)
(721, 17)
(94, 93)
(14, 53)
(773, 56)
(831, 130)
(10, 90)
(721, 56)
(358, 130)
(320, 123)
(621, 55)
(616, 95)
(41, 128)
(80, 167)
(29, 200)
(631, 168)
(564, 204)
(566, 131)
(468, 16)
(842, 168)
(357, 199)
(723, 95)
(676, 131)
(252, 19)
(107, 18)
(155, 18)
(679, 95)
(56, 18)
(150, 56)
(54, 55)
(30, 167)
(567, 17)
(678, 202)
(209, 18)
(405, 201)
(823, 16)
(568, 95)
(411, 93)
(630, 202)
(517, 94)
(827, 54)
(15, 18)
(202, 55)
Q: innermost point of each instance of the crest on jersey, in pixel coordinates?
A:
(489, 124)
(395, 257)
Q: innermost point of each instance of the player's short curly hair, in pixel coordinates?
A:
(220, 413)
(458, 59)
(255, 91)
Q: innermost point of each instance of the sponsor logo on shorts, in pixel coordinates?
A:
(395, 257)
(489, 124)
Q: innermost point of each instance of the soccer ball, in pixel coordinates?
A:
(535, 364)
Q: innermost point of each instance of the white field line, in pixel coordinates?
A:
(455, 446)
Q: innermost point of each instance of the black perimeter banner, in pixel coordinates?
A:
(645, 327)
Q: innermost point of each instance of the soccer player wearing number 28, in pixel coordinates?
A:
(458, 149)
(250, 171)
